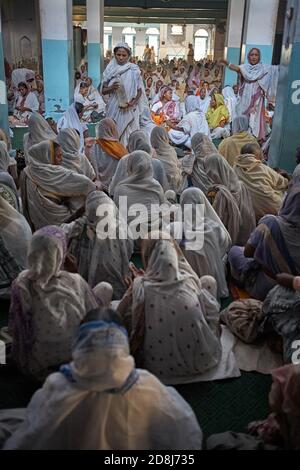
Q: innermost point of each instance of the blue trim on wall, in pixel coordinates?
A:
(58, 74)
(266, 52)
(3, 102)
(233, 56)
(285, 133)
(94, 62)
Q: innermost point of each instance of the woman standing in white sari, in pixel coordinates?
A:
(259, 82)
(123, 84)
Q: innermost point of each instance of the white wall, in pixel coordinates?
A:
(19, 19)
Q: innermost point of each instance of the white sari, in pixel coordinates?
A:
(127, 120)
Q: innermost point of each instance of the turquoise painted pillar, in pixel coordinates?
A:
(236, 9)
(3, 96)
(260, 27)
(95, 29)
(285, 132)
(58, 55)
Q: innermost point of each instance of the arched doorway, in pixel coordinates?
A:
(152, 38)
(201, 44)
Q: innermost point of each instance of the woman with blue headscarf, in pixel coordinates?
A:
(100, 401)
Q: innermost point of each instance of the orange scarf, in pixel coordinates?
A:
(113, 148)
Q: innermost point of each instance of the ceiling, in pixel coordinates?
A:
(158, 11)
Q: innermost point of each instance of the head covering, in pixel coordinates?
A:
(101, 390)
(220, 113)
(140, 186)
(15, 232)
(108, 139)
(39, 130)
(104, 293)
(202, 146)
(69, 141)
(168, 156)
(30, 76)
(192, 103)
(123, 45)
(5, 160)
(45, 297)
(216, 240)
(171, 288)
(220, 172)
(139, 141)
(71, 120)
(240, 124)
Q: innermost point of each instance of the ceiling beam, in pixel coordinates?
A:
(191, 4)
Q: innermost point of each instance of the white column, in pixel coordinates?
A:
(95, 36)
(57, 48)
(116, 35)
(3, 98)
(140, 42)
(163, 51)
(260, 27)
(233, 44)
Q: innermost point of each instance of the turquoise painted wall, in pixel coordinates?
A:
(286, 123)
(3, 100)
(58, 72)
(233, 56)
(94, 62)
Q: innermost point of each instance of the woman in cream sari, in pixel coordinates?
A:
(231, 147)
(123, 85)
(38, 131)
(168, 156)
(230, 199)
(72, 159)
(211, 258)
(99, 257)
(266, 186)
(50, 193)
(175, 331)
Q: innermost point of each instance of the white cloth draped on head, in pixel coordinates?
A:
(230, 101)
(140, 187)
(193, 164)
(240, 124)
(5, 159)
(99, 390)
(129, 75)
(38, 292)
(211, 258)
(44, 185)
(101, 257)
(221, 173)
(265, 185)
(69, 141)
(70, 120)
(181, 319)
(39, 130)
(168, 157)
(139, 141)
(15, 232)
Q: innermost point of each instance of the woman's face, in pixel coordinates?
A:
(202, 93)
(23, 91)
(57, 155)
(88, 81)
(39, 87)
(213, 103)
(84, 91)
(168, 95)
(149, 82)
(122, 56)
(254, 57)
(164, 73)
(158, 84)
